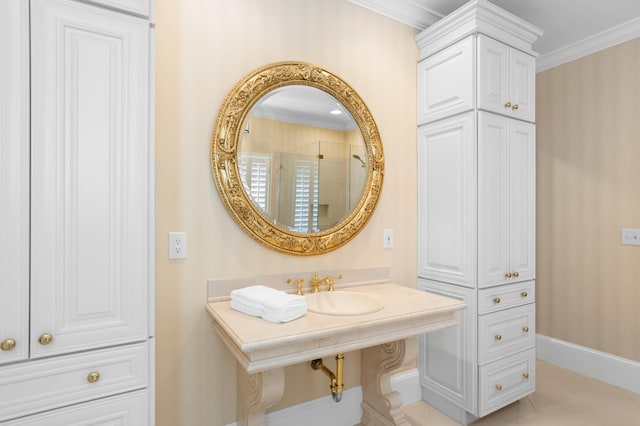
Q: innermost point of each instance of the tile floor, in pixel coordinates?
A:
(562, 398)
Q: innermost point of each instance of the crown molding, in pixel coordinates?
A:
(408, 12)
(592, 44)
(478, 16)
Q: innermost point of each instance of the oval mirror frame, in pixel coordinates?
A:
(224, 154)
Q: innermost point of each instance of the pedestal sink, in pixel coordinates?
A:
(336, 322)
(342, 303)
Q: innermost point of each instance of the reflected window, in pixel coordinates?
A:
(306, 197)
(255, 172)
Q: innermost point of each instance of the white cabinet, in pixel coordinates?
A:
(476, 207)
(77, 203)
(506, 200)
(506, 79)
(446, 81)
(446, 199)
(89, 186)
(448, 357)
(14, 180)
(127, 409)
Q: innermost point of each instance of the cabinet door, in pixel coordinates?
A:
(522, 200)
(447, 358)
(493, 199)
(522, 91)
(89, 157)
(447, 200)
(493, 75)
(14, 180)
(506, 200)
(506, 80)
(446, 82)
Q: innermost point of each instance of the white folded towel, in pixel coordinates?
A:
(268, 303)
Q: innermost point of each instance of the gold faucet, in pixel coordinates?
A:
(298, 283)
(316, 282)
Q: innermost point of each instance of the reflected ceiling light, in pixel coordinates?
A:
(336, 111)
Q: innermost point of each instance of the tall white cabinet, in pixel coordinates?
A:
(476, 148)
(77, 206)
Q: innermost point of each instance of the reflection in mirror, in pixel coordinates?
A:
(302, 159)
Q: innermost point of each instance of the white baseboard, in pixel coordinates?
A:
(609, 368)
(323, 411)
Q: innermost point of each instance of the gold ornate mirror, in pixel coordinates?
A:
(297, 158)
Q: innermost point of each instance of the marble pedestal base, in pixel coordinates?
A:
(380, 405)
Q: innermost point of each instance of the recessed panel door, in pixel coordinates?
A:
(89, 265)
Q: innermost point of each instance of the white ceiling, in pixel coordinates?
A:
(566, 23)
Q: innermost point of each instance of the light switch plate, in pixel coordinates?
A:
(630, 237)
(388, 239)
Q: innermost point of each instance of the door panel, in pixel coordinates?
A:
(14, 180)
(493, 199)
(523, 200)
(446, 204)
(89, 177)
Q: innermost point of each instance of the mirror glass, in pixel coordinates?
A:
(296, 158)
(302, 159)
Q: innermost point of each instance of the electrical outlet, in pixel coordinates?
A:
(388, 239)
(630, 237)
(177, 245)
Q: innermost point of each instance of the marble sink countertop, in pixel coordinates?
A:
(259, 345)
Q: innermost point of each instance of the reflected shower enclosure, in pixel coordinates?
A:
(306, 170)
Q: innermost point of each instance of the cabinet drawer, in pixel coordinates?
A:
(127, 409)
(505, 296)
(507, 380)
(505, 333)
(47, 384)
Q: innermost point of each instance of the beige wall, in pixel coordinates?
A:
(204, 47)
(588, 153)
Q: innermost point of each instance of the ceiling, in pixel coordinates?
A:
(565, 23)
